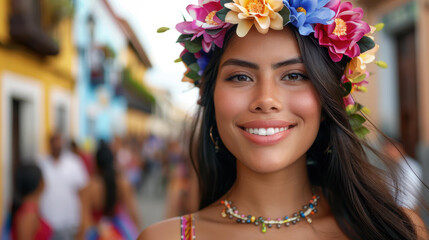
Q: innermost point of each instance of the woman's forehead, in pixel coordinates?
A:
(270, 48)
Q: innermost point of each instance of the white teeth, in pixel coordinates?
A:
(265, 131)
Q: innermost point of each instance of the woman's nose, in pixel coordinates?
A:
(266, 98)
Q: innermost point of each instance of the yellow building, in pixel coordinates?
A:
(140, 97)
(37, 83)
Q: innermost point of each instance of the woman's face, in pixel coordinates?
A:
(267, 111)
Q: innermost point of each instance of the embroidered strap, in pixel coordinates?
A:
(187, 227)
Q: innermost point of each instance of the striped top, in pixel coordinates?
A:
(187, 227)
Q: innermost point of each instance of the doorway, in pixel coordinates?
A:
(407, 85)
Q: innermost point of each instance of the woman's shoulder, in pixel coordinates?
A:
(167, 229)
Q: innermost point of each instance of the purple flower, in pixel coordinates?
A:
(304, 14)
(205, 23)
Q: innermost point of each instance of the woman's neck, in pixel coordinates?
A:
(274, 194)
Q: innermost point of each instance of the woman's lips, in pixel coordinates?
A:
(266, 132)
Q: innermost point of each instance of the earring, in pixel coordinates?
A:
(215, 142)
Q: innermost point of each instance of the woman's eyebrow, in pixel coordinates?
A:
(238, 62)
(287, 62)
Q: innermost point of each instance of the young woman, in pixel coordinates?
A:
(27, 222)
(273, 145)
(110, 198)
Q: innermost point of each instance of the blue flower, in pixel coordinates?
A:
(203, 60)
(304, 14)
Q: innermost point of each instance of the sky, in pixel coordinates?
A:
(146, 16)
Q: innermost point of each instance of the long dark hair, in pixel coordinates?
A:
(105, 166)
(27, 179)
(357, 192)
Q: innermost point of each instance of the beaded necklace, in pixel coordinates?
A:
(308, 209)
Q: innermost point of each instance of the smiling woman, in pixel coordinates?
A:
(274, 141)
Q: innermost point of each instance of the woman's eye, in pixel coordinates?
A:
(239, 78)
(294, 77)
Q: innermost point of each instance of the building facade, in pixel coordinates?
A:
(37, 81)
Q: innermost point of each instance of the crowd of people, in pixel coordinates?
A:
(76, 192)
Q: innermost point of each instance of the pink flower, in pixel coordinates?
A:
(342, 35)
(204, 15)
(348, 100)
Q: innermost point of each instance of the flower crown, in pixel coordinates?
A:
(337, 26)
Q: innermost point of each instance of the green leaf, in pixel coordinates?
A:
(356, 121)
(347, 87)
(365, 110)
(361, 132)
(213, 31)
(285, 13)
(188, 58)
(194, 67)
(221, 14)
(178, 60)
(193, 75)
(222, 2)
(162, 29)
(184, 38)
(365, 44)
(194, 46)
(358, 79)
(379, 27)
(382, 64)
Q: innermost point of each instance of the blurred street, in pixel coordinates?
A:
(151, 198)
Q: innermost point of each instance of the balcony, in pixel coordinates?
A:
(26, 26)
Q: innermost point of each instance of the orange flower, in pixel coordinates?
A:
(357, 66)
(264, 14)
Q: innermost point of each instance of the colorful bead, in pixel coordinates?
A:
(264, 228)
(252, 219)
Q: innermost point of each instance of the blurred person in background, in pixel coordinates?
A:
(180, 198)
(85, 157)
(65, 181)
(409, 174)
(153, 151)
(111, 209)
(27, 222)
